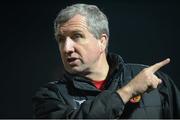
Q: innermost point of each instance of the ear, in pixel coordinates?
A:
(103, 41)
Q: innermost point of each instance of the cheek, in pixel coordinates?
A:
(90, 48)
(94, 48)
(91, 51)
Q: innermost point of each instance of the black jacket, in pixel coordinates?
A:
(76, 97)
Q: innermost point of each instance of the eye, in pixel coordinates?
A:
(76, 36)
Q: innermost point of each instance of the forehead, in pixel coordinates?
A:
(78, 22)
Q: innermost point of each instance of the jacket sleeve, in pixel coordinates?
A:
(172, 94)
(48, 104)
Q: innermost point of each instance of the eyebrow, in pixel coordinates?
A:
(73, 31)
(77, 31)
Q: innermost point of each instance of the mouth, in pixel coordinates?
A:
(69, 60)
(72, 61)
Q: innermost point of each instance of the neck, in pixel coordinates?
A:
(100, 70)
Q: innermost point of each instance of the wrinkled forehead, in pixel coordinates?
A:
(76, 22)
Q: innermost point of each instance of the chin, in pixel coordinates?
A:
(74, 70)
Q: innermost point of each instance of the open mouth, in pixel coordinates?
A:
(70, 60)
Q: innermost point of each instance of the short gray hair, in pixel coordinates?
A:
(96, 20)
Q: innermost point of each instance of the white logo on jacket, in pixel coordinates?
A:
(79, 102)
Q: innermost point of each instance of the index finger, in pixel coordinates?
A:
(158, 65)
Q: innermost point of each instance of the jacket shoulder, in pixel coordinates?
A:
(48, 90)
(133, 68)
(136, 66)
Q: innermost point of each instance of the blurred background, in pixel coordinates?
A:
(141, 32)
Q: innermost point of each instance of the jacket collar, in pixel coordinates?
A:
(115, 75)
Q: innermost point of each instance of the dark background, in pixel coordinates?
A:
(141, 32)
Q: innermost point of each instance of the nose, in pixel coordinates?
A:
(68, 45)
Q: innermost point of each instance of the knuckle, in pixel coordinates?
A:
(148, 82)
(148, 77)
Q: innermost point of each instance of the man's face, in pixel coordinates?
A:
(80, 50)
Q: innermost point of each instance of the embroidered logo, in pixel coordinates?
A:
(79, 102)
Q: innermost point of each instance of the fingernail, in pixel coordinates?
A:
(168, 59)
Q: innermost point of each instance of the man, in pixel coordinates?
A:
(98, 84)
